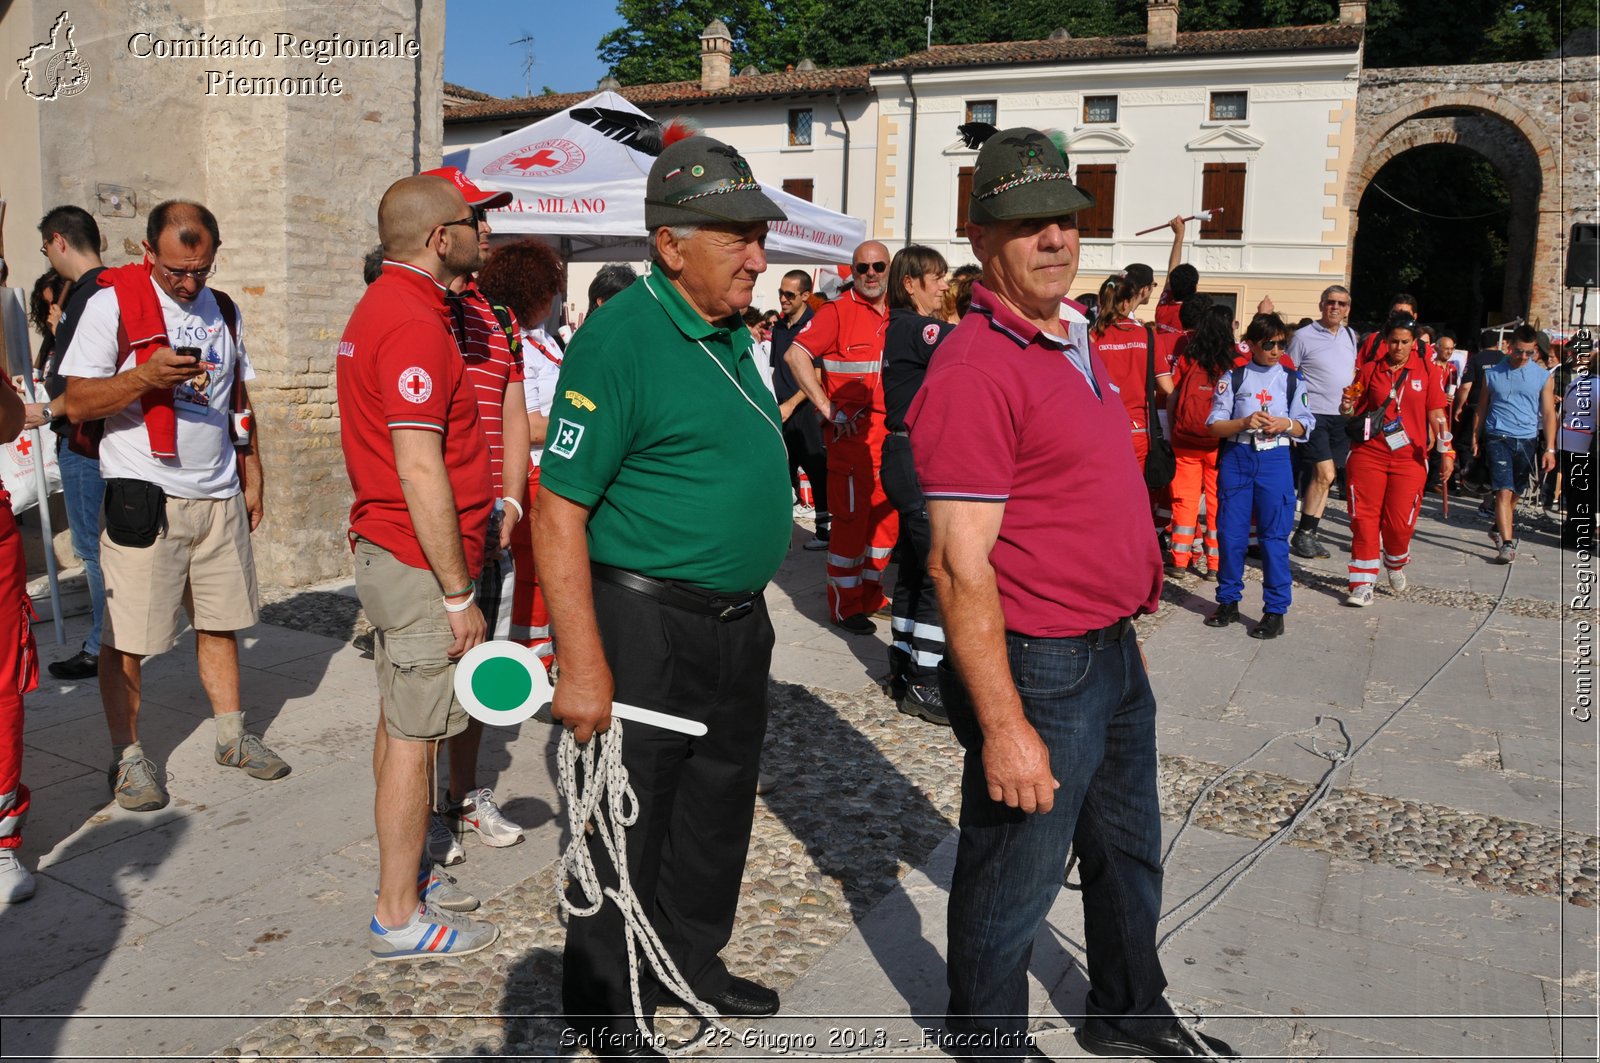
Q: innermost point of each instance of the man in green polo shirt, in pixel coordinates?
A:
(664, 510)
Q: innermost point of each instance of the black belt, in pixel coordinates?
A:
(724, 607)
(900, 432)
(1111, 633)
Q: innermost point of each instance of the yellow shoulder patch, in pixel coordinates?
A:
(580, 400)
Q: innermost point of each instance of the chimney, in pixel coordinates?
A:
(716, 57)
(1352, 12)
(1161, 25)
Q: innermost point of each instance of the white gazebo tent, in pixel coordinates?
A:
(577, 180)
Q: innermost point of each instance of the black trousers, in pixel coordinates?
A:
(696, 797)
(918, 644)
(803, 440)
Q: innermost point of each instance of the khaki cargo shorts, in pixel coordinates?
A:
(200, 564)
(410, 638)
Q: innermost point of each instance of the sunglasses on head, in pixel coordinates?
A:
(876, 267)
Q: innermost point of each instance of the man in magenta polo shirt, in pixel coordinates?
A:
(1042, 556)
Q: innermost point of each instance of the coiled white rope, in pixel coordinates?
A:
(601, 803)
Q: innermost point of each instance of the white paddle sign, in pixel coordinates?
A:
(503, 683)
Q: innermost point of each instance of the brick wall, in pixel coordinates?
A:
(294, 182)
(1535, 121)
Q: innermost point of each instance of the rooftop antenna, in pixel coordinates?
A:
(526, 40)
(930, 24)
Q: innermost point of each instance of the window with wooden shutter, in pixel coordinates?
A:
(799, 187)
(1100, 181)
(963, 196)
(1222, 185)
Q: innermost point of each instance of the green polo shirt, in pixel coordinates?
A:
(684, 470)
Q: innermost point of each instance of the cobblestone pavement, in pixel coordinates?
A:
(865, 794)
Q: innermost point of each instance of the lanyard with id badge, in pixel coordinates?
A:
(1394, 431)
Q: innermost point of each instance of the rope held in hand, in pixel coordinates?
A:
(600, 800)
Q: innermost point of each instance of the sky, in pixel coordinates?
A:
(478, 52)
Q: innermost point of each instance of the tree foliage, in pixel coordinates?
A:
(660, 39)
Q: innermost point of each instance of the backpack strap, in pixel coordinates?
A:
(230, 318)
(502, 314)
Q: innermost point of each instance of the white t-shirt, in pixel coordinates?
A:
(205, 466)
(541, 367)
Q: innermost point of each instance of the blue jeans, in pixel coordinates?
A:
(1511, 462)
(85, 495)
(1091, 703)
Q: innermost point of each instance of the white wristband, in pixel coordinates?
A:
(508, 500)
(459, 607)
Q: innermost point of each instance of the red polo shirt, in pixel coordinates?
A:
(847, 334)
(1423, 391)
(1007, 415)
(1123, 348)
(1169, 310)
(399, 368)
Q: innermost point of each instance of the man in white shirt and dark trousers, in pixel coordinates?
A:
(183, 485)
(1324, 353)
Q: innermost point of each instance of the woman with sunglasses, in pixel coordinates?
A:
(1396, 405)
(1256, 410)
(918, 281)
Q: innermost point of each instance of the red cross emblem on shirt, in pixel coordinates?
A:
(24, 445)
(1263, 396)
(415, 385)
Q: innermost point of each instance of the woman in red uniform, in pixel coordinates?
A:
(1208, 353)
(1397, 405)
(19, 673)
(1123, 345)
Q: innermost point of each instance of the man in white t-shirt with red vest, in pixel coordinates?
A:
(159, 357)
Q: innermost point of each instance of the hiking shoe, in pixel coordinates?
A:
(1507, 552)
(431, 932)
(1306, 544)
(478, 812)
(443, 848)
(1397, 581)
(1494, 537)
(815, 543)
(438, 887)
(136, 784)
(252, 754)
(923, 700)
(16, 881)
(1360, 596)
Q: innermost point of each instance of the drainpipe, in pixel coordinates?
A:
(844, 169)
(911, 162)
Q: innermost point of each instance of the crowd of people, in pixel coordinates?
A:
(611, 497)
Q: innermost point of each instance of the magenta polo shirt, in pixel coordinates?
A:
(1008, 414)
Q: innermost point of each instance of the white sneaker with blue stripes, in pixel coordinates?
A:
(431, 931)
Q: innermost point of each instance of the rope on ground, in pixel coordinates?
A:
(600, 799)
(1230, 876)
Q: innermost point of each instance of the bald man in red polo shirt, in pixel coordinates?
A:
(847, 335)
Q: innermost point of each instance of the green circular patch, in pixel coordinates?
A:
(501, 684)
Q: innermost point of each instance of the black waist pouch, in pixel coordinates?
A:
(135, 512)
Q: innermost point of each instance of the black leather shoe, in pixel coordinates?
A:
(1227, 613)
(1303, 544)
(81, 665)
(1271, 626)
(1175, 1041)
(744, 999)
(858, 624)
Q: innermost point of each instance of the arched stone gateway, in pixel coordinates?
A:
(1534, 122)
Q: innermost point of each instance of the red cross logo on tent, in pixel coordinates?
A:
(416, 385)
(545, 157)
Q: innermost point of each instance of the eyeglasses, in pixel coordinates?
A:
(1274, 345)
(176, 275)
(470, 219)
(1336, 302)
(782, 295)
(876, 267)
(480, 215)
